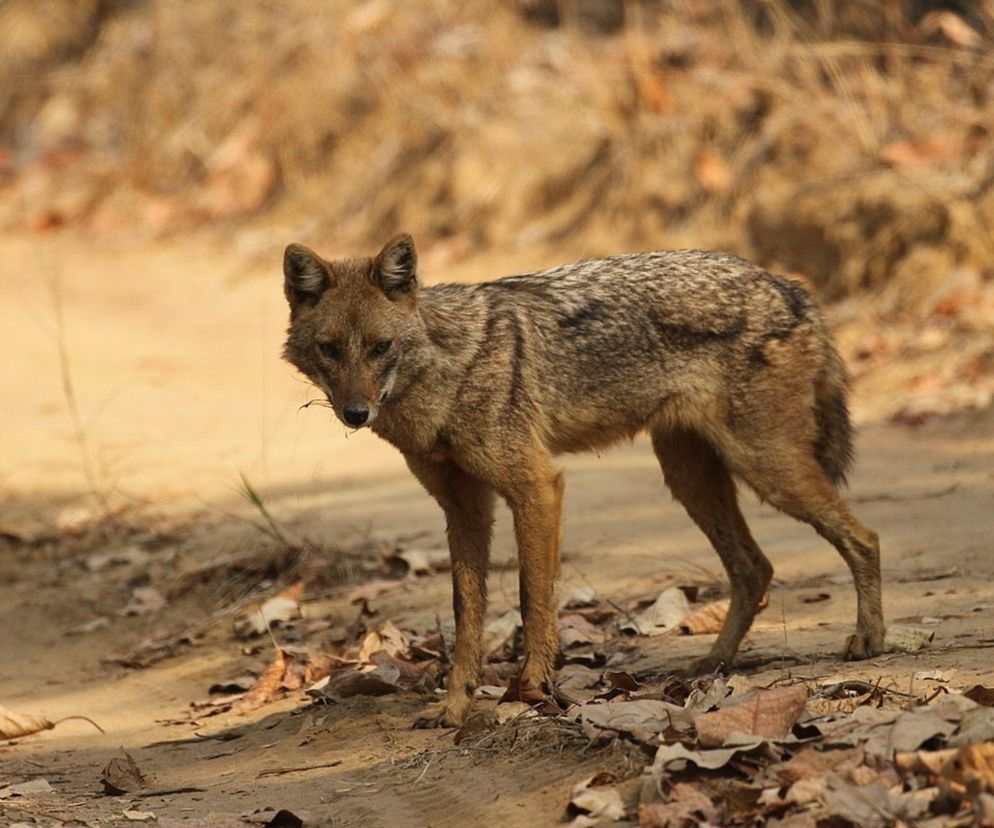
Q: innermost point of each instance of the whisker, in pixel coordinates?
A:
(318, 402)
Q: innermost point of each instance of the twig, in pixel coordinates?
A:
(298, 769)
(81, 718)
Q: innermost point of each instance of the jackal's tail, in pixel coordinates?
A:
(833, 448)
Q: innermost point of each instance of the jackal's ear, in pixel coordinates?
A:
(395, 269)
(305, 275)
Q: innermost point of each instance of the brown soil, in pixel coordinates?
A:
(173, 359)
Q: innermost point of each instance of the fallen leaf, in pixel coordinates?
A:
(144, 600)
(977, 725)
(281, 608)
(122, 775)
(499, 633)
(577, 681)
(578, 596)
(285, 819)
(769, 714)
(577, 631)
(15, 725)
(685, 804)
(872, 805)
(910, 730)
(942, 676)
(902, 639)
(644, 719)
(289, 670)
(520, 689)
(663, 615)
(416, 561)
(981, 695)
(705, 620)
(387, 638)
(513, 710)
(595, 799)
(675, 756)
(623, 681)
(706, 694)
(32, 786)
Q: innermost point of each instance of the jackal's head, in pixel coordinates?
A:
(355, 330)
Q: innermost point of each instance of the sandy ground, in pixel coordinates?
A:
(173, 357)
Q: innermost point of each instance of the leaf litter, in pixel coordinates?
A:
(720, 750)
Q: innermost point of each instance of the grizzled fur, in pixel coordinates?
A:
(729, 369)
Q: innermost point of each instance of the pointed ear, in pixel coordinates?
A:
(395, 269)
(305, 275)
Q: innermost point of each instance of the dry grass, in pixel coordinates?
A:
(827, 138)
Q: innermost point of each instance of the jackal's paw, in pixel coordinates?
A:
(445, 714)
(706, 665)
(862, 645)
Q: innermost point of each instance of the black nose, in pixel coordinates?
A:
(356, 415)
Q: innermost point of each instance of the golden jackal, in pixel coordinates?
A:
(728, 367)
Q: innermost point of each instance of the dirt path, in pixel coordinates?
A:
(175, 375)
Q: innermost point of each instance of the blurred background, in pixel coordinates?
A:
(155, 157)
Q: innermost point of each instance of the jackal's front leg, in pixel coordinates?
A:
(468, 505)
(537, 507)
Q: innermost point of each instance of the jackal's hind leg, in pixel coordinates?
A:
(795, 483)
(700, 480)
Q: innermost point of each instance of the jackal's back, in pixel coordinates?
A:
(596, 350)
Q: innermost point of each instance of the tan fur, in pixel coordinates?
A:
(729, 368)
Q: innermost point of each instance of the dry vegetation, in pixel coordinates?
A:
(844, 141)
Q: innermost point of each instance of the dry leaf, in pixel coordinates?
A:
(981, 695)
(499, 633)
(577, 631)
(416, 561)
(280, 608)
(705, 620)
(387, 638)
(143, 601)
(289, 670)
(579, 596)
(769, 714)
(520, 689)
(15, 725)
(595, 799)
(902, 639)
(665, 613)
(675, 757)
(644, 719)
(685, 805)
(32, 786)
(122, 775)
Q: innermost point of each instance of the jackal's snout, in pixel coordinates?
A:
(355, 415)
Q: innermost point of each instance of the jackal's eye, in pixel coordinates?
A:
(329, 350)
(381, 347)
